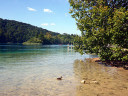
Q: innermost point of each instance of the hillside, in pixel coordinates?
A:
(18, 32)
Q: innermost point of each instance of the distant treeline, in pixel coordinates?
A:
(17, 32)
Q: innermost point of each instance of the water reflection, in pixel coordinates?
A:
(108, 79)
(90, 70)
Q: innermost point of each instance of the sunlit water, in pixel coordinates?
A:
(32, 71)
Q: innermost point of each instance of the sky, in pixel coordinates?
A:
(52, 15)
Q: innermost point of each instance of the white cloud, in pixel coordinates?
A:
(48, 10)
(52, 24)
(44, 24)
(31, 9)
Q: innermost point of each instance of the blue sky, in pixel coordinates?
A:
(48, 14)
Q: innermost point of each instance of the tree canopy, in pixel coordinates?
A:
(104, 27)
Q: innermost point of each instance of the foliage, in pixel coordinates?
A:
(104, 27)
(18, 32)
(34, 40)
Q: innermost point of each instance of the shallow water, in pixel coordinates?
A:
(32, 71)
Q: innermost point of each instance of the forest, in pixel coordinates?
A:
(12, 31)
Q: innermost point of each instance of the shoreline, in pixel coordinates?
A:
(116, 64)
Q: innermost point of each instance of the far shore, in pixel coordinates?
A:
(27, 43)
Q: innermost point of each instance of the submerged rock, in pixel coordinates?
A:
(60, 78)
(94, 82)
(83, 81)
(125, 67)
(81, 61)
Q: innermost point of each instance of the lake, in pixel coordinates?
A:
(32, 71)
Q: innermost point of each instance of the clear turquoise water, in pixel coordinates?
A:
(30, 70)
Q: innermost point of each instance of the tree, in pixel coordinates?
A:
(18, 32)
(104, 27)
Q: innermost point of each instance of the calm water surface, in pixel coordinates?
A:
(32, 71)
